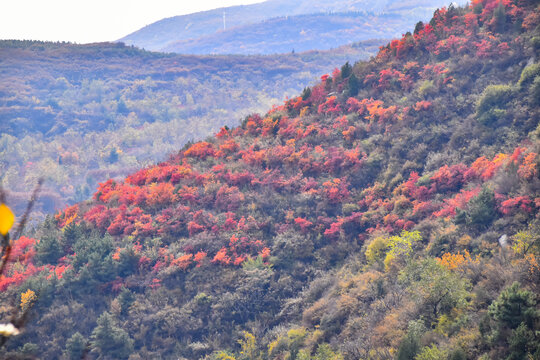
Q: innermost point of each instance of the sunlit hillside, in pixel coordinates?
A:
(77, 115)
(388, 211)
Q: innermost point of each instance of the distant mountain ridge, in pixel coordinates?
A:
(292, 33)
(182, 33)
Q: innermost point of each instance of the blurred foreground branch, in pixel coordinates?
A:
(7, 219)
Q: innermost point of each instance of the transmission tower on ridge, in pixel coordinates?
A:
(224, 23)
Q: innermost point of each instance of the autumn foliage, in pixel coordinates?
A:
(389, 201)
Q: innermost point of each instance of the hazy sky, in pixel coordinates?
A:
(84, 21)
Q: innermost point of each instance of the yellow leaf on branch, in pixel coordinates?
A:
(6, 219)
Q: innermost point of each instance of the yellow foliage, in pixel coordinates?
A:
(452, 261)
(388, 260)
(525, 242)
(248, 346)
(444, 324)
(534, 265)
(222, 355)
(6, 219)
(27, 299)
(316, 337)
(456, 261)
(376, 249)
(70, 219)
(400, 247)
(274, 345)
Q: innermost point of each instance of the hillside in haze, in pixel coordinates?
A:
(388, 211)
(293, 33)
(261, 28)
(79, 114)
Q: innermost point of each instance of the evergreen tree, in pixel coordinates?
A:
(108, 340)
(75, 347)
(354, 85)
(482, 208)
(514, 306)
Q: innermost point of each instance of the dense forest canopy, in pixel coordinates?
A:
(390, 211)
(80, 114)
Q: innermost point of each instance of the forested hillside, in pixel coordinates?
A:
(294, 33)
(277, 26)
(390, 211)
(80, 114)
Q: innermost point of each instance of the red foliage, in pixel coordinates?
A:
(336, 191)
(188, 194)
(265, 253)
(457, 202)
(69, 215)
(529, 167)
(16, 277)
(156, 283)
(143, 226)
(330, 106)
(303, 224)
(20, 266)
(448, 178)
(513, 205)
(194, 228)
(422, 208)
(426, 38)
(223, 133)
(341, 123)
(483, 168)
(453, 45)
(229, 198)
(59, 270)
(253, 124)
(392, 78)
(297, 103)
(422, 105)
(199, 257)
(228, 147)
(22, 250)
(289, 155)
(183, 262)
(200, 150)
(222, 257)
(411, 190)
(160, 195)
(105, 191)
(98, 216)
(335, 229)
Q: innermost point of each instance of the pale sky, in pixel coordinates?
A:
(84, 21)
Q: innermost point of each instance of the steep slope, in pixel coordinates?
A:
(79, 114)
(208, 27)
(390, 211)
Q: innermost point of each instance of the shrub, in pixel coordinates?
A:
(528, 74)
(494, 98)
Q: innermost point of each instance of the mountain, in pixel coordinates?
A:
(79, 114)
(254, 29)
(389, 211)
(292, 33)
